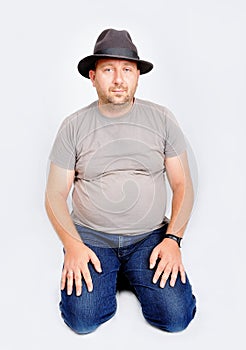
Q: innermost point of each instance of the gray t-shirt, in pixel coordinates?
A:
(119, 185)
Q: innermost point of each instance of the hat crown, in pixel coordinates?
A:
(114, 39)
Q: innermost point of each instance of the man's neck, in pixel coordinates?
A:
(114, 110)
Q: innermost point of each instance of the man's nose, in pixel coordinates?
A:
(118, 76)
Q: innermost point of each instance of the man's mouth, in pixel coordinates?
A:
(118, 90)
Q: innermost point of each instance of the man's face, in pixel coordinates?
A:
(115, 81)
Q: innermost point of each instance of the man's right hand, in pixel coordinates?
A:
(75, 268)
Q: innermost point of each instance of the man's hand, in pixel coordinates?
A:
(170, 262)
(76, 261)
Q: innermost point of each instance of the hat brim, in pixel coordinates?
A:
(88, 63)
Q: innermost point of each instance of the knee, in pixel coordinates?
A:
(81, 327)
(83, 321)
(172, 321)
(171, 325)
(178, 324)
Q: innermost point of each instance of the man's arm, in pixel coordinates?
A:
(168, 251)
(77, 254)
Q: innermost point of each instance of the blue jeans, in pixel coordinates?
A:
(170, 309)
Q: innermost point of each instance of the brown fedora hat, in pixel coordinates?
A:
(113, 43)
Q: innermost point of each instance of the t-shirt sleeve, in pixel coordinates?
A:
(174, 139)
(63, 152)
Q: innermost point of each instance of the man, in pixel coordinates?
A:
(115, 153)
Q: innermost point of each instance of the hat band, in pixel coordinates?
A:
(120, 51)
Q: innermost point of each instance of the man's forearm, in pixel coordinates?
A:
(182, 203)
(58, 213)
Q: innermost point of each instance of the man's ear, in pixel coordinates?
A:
(92, 75)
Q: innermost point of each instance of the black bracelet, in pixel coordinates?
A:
(175, 238)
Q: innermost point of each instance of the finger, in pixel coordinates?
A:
(159, 271)
(69, 282)
(182, 274)
(96, 262)
(87, 277)
(78, 283)
(153, 258)
(174, 276)
(165, 276)
(63, 279)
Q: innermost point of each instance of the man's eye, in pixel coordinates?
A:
(127, 69)
(108, 69)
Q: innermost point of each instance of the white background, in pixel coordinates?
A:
(198, 49)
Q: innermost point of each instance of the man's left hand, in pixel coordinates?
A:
(169, 263)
